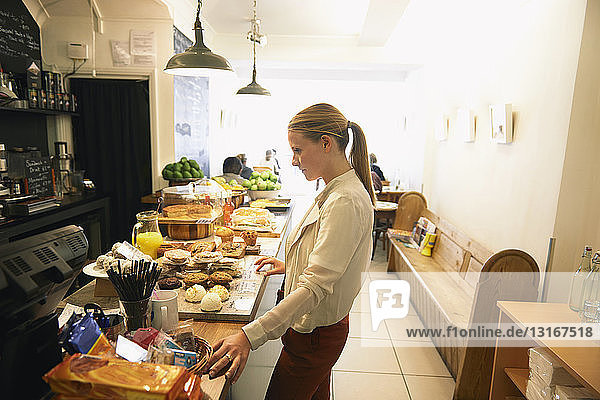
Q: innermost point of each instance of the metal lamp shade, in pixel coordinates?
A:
(254, 88)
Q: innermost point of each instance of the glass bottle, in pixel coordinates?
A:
(146, 234)
(591, 284)
(581, 273)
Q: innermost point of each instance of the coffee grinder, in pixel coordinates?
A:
(62, 163)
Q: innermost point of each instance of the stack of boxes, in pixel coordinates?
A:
(549, 381)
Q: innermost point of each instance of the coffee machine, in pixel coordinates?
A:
(62, 162)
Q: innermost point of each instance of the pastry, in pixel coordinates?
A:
(225, 234)
(207, 257)
(220, 278)
(253, 250)
(200, 247)
(233, 249)
(188, 211)
(211, 302)
(169, 283)
(195, 278)
(221, 291)
(177, 256)
(195, 294)
(249, 237)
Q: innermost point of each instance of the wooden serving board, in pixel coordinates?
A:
(242, 303)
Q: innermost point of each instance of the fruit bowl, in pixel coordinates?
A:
(263, 194)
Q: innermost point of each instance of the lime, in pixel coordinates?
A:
(176, 167)
(177, 175)
(186, 174)
(195, 173)
(183, 159)
(194, 164)
(169, 167)
(201, 173)
(186, 166)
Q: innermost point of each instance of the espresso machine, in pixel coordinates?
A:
(62, 162)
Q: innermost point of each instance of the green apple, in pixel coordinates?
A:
(183, 159)
(254, 174)
(265, 175)
(247, 184)
(277, 186)
(262, 186)
(177, 175)
(254, 187)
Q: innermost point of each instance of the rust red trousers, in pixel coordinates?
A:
(303, 371)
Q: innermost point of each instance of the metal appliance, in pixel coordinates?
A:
(62, 163)
(35, 274)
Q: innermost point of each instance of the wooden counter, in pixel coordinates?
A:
(210, 330)
(510, 371)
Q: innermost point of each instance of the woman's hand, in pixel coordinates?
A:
(278, 265)
(229, 358)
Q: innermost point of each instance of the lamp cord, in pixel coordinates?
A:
(255, 33)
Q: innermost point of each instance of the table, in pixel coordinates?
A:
(510, 369)
(384, 210)
(210, 330)
(389, 193)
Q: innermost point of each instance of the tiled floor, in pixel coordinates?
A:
(374, 365)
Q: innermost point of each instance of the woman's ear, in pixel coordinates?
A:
(326, 143)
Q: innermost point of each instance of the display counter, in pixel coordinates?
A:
(221, 324)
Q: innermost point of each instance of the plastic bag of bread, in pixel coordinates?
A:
(89, 377)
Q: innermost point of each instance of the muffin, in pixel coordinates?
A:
(249, 237)
(220, 278)
(225, 234)
(195, 278)
(211, 302)
(169, 283)
(195, 294)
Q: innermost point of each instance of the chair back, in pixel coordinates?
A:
(410, 208)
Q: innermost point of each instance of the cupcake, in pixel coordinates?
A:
(211, 302)
(225, 234)
(195, 294)
(249, 237)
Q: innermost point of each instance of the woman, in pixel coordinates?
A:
(325, 256)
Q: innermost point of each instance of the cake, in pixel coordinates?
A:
(195, 294)
(221, 291)
(225, 234)
(211, 302)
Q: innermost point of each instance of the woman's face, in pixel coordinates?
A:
(309, 156)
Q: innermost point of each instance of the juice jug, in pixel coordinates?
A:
(146, 235)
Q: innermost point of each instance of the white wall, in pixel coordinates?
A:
(476, 53)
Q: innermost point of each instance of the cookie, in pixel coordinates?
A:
(177, 256)
(220, 278)
(169, 283)
(195, 278)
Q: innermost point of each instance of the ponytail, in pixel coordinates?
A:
(359, 159)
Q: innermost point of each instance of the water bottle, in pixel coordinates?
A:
(584, 268)
(591, 284)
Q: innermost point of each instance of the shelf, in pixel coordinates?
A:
(519, 376)
(38, 111)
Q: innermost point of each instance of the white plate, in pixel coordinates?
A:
(90, 271)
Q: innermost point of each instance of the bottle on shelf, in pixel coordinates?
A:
(584, 268)
(591, 284)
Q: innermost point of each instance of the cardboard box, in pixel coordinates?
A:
(545, 365)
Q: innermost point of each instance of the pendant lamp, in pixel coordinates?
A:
(197, 60)
(253, 87)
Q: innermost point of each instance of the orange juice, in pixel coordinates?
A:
(148, 243)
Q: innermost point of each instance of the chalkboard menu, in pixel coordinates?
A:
(39, 179)
(19, 37)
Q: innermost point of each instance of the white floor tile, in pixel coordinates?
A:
(361, 303)
(419, 360)
(398, 328)
(429, 387)
(361, 385)
(368, 355)
(361, 327)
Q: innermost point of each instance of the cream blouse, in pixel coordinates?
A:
(324, 259)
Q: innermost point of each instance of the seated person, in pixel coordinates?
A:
(377, 185)
(375, 168)
(246, 171)
(232, 166)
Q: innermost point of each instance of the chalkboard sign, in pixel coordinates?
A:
(19, 37)
(39, 179)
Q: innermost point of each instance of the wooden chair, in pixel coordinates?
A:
(410, 208)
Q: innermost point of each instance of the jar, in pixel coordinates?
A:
(146, 234)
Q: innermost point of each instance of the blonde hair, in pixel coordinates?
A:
(324, 119)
